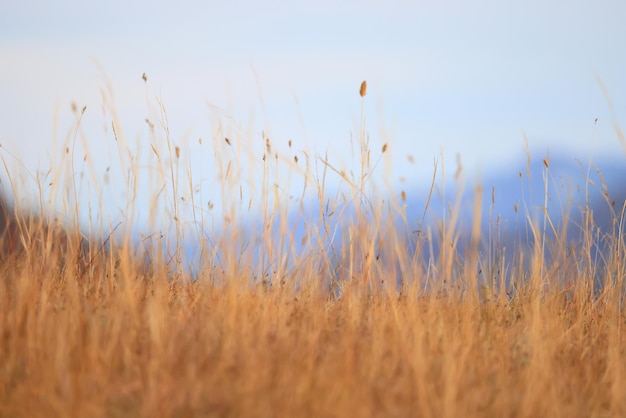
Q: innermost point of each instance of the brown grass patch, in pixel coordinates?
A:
(360, 326)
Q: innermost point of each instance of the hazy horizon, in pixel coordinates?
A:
(443, 80)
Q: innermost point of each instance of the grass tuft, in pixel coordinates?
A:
(344, 310)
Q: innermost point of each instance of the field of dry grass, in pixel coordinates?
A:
(327, 330)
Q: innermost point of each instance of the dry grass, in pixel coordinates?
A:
(316, 327)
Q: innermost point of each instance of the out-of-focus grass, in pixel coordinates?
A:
(360, 326)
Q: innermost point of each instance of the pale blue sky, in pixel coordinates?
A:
(463, 76)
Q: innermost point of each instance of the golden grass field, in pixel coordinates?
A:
(88, 330)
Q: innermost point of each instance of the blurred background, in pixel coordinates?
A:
(483, 80)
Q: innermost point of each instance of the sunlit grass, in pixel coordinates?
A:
(341, 311)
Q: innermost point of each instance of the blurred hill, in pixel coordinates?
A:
(578, 193)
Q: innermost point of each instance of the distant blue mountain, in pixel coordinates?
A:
(512, 198)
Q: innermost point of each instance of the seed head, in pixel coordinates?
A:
(363, 90)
